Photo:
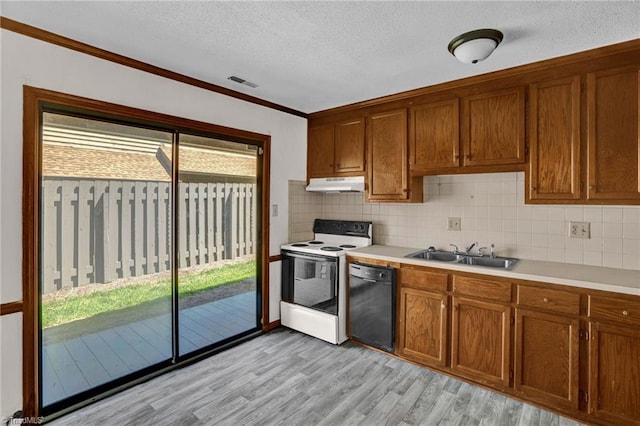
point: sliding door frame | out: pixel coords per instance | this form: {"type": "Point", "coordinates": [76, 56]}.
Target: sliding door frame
{"type": "Point", "coordinates": [34, 99]}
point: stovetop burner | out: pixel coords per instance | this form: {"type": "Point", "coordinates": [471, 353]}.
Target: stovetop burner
{"type": "Point", "coordinates": [332, 238]}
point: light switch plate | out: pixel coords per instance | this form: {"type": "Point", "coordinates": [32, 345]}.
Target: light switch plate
{"type": "Point", "coordinates": [579, 230]}
{"type": "Point", "coordinates": [274, 210]}
{"type": "Point", "coordinates": [454, 224]}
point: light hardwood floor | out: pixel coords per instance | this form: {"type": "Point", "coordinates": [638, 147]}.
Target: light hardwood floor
{"type": "Point", "coordinates": [288, 378]}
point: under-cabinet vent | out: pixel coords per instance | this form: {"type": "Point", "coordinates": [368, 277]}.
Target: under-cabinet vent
{"type": "Point", "coordinates": [242, 81]}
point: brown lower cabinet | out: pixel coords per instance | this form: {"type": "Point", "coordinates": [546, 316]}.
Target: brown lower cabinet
{"type": "Point", "coordinates": [571, 350]}
{"type": "Point", "coordinates": [481, 329]}
{"type": "Point", "coordinates": [423, 316]}
{"type": "Point", "coordinates": [546, 358]}
{"type": "Point", "coordinates": [614, 359]}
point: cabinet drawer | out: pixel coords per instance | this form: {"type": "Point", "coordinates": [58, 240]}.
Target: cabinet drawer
{"type": "Point", "coordinates": [551, 300]}
{"type": "Point", "coordinates": [421, 279]}
{"type": "Point", "coordinates": [484, 289]}
{"type": "Point", "coordinates": [615, 309]}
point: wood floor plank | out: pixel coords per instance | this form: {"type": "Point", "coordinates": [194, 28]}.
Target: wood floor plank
{"type": "Point", "coordinates": [106, 356]}
{"type": "Point", "coordinates": [286, 378]}
{"type": "Point", "coordinates": [68, 372]}
{"type": "Point", "coordinates": [52, 389]}
{"type": "Point", "coordinates": [91, 368]}
{"type": "Point", "coordinates": [140, 345]}
{"type": "Point", "coordinates": [127, 354]}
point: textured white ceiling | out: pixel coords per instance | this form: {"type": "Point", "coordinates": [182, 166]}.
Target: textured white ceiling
{"type": "Point", "coordinates": [313, 55]}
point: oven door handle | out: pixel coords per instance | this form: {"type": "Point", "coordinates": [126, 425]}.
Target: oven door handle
{"type": "Point", "coordinates": [313, 258]}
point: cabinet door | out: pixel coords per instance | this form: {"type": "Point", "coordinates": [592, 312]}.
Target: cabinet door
{"type": "Point", "coordinates": [554, 139]}
{"type": "Point", "coordinates": [349, 146]}
{"type": "Point", "coordinates": [434, 136]}
{"type": "Point", "coordinates": [613, 141]}
{"type": "Point", "coordinates": [387, 156]}
{"type": "Point", "coordinates": [546, 358]}
{"type": "Point", "coordinates": [422, 326]}
{"type": "Point", "coordinates": [480, 340]}
{"type": "Point", "coordinates": [493, 128]}
{"type": "Point", "coordinates": [320, 151]}
{"type": "Point", "coordinates": [614, 377]}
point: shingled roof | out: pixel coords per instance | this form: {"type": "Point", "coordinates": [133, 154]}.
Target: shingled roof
{"type": "Point", "coordinates": [68, 161]}
{"type": "Point", "coordinates": [208, 161]}
{"type": "Point", "coordinates": [89, 155]}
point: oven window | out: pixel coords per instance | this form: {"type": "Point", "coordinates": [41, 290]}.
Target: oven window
{"type": "Point", "coordinates": [313, 283]}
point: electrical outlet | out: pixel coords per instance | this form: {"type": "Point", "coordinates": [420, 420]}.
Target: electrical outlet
{"type": "Point", "coordinates": [274, 210]}
{"type": "Point", "coordinates": [579, 230]}
{"type": "Point", "coordinates": [454, 224]}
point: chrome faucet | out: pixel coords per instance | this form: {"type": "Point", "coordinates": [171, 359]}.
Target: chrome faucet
{"type": "Point", "coordinates": [493, 251]}
{"type": "Point", "coordinates": [480, 251]}
{"type": "Point", "coordinates": [468, 249]}
{"type": "Point", "coordinates": [455, 248]}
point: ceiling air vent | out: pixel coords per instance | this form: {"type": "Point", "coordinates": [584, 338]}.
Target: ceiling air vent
{"type": "Point", "coordinates": [242, 81]}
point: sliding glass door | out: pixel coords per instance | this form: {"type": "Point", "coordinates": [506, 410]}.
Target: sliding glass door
{"type": "Point", "coordinates": [148, 248]}
{"type": "Point", "coordinates": [217, 209]}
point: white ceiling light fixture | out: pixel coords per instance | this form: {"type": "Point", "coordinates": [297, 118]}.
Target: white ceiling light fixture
{"type": "Point", "coordinates": [475, 46]}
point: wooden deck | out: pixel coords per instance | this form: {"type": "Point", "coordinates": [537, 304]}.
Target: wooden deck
{"type": "Point", "coordinates": [78, 364]}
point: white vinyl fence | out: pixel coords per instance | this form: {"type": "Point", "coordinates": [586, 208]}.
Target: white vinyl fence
{"type": "Point", "coordinates": [97, 231]}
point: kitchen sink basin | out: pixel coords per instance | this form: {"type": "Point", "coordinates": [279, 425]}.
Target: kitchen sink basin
{"type": "Point", "coordinates": [464, 259]}
{"type": "Point", "coordinates": [441, 256]}
{"type": "Point", "coordinates": [492, 262]}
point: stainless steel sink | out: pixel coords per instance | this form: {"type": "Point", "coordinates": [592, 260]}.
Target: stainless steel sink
{"type": "Point", "coordinates": [441, 256]}
{"type": "Point", "coordinates": [492, 262]}
{"type": "Point", "coordinates": [464, 259]}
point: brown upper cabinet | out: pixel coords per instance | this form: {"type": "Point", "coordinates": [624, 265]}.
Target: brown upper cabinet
{"type": "Point", "coordinates": [388, 160]}
{"type": "Point", "coordinates": [613, 139]}
{"type": "Point", "coordinates": [486, 134]}
{"type": "Point", "coordinates": [434, 136]}
{"type": "Point", "coordinates": [493, 131]}
{"type": "Point", "coordinates": [554, 140]}
{"type": "Point", "coordinates": [571, 123]}
{"type": "Point", "coordinates": [336, 149]}
{"type": "Point", "coordinates": [610, 168]}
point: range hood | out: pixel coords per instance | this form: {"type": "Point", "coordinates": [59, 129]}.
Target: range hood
{"type": "Point", "coordinates": [334, 184]}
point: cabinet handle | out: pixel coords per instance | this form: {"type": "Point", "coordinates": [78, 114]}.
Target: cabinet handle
{"type": "Point", "coordinates": [534, 189]}
{"type": "Point", "coordinates": [442, 305]}
{"type": "Point", "coordinates": [545, 300]}
{"type": "Point", "coordinates": [338, 165]}
{"type": "Point", "coordinates": [625, 313]}
{"type": "Point", "coordinates": [468, 156]}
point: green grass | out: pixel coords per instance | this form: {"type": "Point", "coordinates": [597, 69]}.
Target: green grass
{"type": "Point", "coordinates": [78, 307]}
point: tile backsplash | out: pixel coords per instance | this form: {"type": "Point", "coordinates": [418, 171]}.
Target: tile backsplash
{"type": "Point", "coordinates": [492, 210]}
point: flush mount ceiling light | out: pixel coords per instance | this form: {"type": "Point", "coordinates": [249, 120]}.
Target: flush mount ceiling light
{"type": "Point", "coordinates": [475, 46]}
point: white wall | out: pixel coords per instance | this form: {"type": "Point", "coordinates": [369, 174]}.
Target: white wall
{"type": "Point", "coordinates": [35, 63]}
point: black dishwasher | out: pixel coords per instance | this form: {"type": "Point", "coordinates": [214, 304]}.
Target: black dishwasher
{"type": "Point", "coordinates": [372, 303]}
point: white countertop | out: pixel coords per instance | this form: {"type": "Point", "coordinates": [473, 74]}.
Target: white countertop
{"type": "Point", "coordinates": [583, 276]}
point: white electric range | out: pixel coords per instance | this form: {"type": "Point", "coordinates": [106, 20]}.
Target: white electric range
{"type": "Point", "coordinates": [314, 278]}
